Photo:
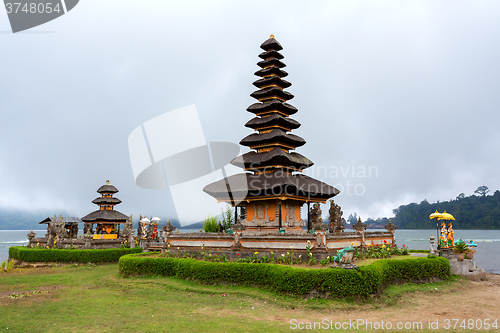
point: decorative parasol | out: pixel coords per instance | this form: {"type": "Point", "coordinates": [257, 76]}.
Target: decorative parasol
{"type": "Point", "coordinates": [446, 216]}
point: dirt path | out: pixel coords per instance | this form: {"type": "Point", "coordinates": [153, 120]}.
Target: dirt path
{"type": "Point", "coordinates": [467, 300]}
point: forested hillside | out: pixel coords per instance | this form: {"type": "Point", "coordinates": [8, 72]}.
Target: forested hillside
{"type": "Point", "coordinates": [474, 212]}
{"type": "Point", "coordinates": [22, 220]}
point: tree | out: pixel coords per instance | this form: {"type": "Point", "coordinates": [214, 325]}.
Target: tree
{"type": "Point", "coordinates": [482, 190]}
{"type": "Point", "coordinates": [460, 196]}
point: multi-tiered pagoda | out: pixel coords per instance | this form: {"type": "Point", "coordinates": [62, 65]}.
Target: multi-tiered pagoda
{"type": "Point", "coordinates": [106, 218]}
{"type": "Point", "coordinates": [273, 190]}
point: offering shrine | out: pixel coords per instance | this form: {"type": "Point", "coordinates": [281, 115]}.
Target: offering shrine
{"type": "Point", "coordinates": [106, 219]}
{"type": "Point", "coordinates": [273, 189]}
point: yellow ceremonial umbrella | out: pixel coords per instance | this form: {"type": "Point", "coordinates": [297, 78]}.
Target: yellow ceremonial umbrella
{"type": "Point", "coordinates": [436, 215]}
{"type": "Point", "coordinates": [446, 216]}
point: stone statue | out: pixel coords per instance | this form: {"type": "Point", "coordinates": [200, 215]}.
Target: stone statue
{"type": "Point", "coordinates": [345, 255]}
{"type": "Point", "coordinates": [87, 227]}
{"type": "Point", "coordinates": [167, 229]}
{"type": "Point", "coordinates": [74, 230]}
{"type": "Point", "coordinates": [450, 238]}
{"type": "Point", "coordinates": [88, 240]}
{"type": "Point", "coordinates": [443, 239]}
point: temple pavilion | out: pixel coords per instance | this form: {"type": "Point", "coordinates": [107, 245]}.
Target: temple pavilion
{"type": "Point", "coordinates": [106, 219]}
{"type": "Point", "coordinates": [273, 189]}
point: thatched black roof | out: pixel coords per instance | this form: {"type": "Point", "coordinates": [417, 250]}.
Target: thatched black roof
{"type": "Point", "coordinates": [271, 70]}
{"type": "Point", "coordinates": [271, 62]}
{"type": "Point", "coordinates": [274, 104]}
{"type": "Point", "coordinates": [270, 92]}
{"type": "Point", "coordinates": [245, 186]}
{"type": "Point", "coordinates": [104, 201]}
{"type": "Point", "coordinates": [271, 54]}
{"type": "Point", "coordinates": [276, 156]}
{"type": "Point", "coordinates": [275, 136]}
{"type": "Point", "coordinates": [66, 219]}
{"type": "Point", "coordinates": [271, 44]}
{"type": "Point", "coordinates": [107, 189]}
{"type": "Point", "coordinates": [105, 216]}
{"type": "Point", "coordinates": [267, 81]}
{"type": "Point", "coordinates": [273, 120]}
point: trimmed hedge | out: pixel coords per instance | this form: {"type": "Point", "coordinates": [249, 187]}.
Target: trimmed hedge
{"type": "Point", "coordinates": [290, 280]}
{"type": "Point", "coordinates": [419, 251]}
{"type": "Point", "coordinates": [63, 255]}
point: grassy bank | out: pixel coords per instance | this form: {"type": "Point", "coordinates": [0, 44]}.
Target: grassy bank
{"type": "Point", "coordinates": [88, 298]}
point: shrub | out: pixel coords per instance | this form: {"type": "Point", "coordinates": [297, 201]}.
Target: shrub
{"type": "Point", "coordinates": [227, 217]}
{"type": "Point", "coordinates": [63, 255]}
{"type": "Point", "coordinates": [290, 280]}
{"type": "Point", "coordinates": [211, 224]}
{"type": "Point", "coordinates": [419, 251]}
{"type": "Point", "coordinates": [13, 251]}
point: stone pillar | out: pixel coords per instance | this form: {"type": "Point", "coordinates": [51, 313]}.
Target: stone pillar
{"type": "Point", "coordinates": [432, 241]}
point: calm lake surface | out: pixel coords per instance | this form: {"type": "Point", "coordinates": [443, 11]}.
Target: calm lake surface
{"type": "Point", "coordinates": [487, 251]}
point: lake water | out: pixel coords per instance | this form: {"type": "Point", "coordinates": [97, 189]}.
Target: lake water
{"type": "Point", "coordinates": [487, 251]}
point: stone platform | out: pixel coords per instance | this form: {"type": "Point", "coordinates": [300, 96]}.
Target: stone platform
{"type": "Point", "coordinates": [467, 269]}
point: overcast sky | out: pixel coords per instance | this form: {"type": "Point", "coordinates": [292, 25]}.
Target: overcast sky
{"type": "Point", "coordinates": [406, 89]}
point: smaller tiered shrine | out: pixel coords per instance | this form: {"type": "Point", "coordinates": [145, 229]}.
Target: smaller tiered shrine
{"type": "Point", "coordinates": [106, 219]}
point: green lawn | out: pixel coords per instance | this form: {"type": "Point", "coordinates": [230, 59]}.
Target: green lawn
{"type": "Point", "coordinates": [365, 262]}
{"type": "Point", "coordinates": [98, 299]}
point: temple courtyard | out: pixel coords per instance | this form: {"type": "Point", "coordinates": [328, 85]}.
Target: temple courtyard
{"type": "Point", "coordinates": [90, 298]}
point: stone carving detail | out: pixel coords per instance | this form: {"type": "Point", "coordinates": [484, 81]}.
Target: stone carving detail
{"type": "Point", "coordinates": [168, 228]}
{"type": "Point", "coordinates": [31, 235]}
{"type": "Point", "coordinates": [139, 227]}
{"type": "Point", "coordinates": [127, 233]}
{"type": "Point", "coordinates": [359, 226]}
{"type": "Point", "coordinates": [290, 215]}
{"type": "Point", "coordinates": [390, 227]}
{"type": "Point", "coordinates": [316, 219]}
{"type": "Point", "coordinates": [261, 218]}
{"type": "Point", "coordinates": [336, 220]}
{"type": "Point", "coordinates": [88, 240]}
{"type": "Point", "coordinates": [238, 226]}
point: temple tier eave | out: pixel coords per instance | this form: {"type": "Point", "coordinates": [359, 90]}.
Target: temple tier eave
{"type": "Point", "coordinates": [276, 156]}
{"type": "Point", "coordinates": [272, 106]}
{"type": "Point", "coordinates": [109, 216]}
{"type": "Point", "coordinates": [272, 137]}
{"type": "Point", "coordinates": [276, 184]}
{"type": "Point", "coordinates": [272, 121]}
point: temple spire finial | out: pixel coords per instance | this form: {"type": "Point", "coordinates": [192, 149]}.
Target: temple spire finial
{"type": "Point", "coordinates": [272, 36]}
